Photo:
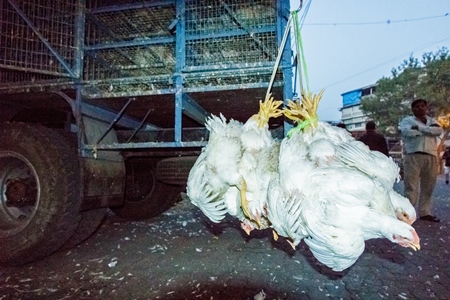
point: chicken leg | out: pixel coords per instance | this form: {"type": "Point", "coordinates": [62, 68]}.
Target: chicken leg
{"type": "Point", "coordinates": [268, 109]}
{"type": "Point", "coordinates": [304, 113]}
{"type": "Point", "coordinates": [244, 204]}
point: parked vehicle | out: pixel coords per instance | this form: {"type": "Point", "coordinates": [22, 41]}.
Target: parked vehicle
{"type": "Point", "coordinates": [103, 103]}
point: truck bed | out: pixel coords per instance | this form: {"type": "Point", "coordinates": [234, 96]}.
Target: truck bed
{"type": "Point", "coordinates": [159, 67]}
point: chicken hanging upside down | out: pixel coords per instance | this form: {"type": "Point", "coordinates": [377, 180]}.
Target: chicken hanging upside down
{"type": "Point", "coordinates": [319, 184]}
{"type": "Point", "coordinates": [232, 173]}
{"type": "Point", "coordinates": [259, 162]}
{"type": "Point", "coordinates": [341, 201]}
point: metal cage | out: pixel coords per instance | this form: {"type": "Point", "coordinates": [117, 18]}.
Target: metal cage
{"type": "Point", "coordinates": [179, 60]}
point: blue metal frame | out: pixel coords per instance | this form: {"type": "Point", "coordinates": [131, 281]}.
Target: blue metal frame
{"type": "Point", "coordinates": [283, 13]}
{"type": "Point", "coordinates": [180, 50]}
{"type": "Point", "coordinates": [182, 75]}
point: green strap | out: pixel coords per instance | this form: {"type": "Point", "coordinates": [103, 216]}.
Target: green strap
{"type": "Point", "coordinates": [301, 126]}
{"type": "Point", "coordinates": [299, 49]}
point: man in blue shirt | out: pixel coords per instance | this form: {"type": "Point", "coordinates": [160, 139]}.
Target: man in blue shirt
{"type": "Point", "coordinates": [420, 141]}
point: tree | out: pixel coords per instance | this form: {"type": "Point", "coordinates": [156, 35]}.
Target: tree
{"type": "Point", "coordinates": [436, 83]}
{"type": "Point", "coordinates": [428, 79]}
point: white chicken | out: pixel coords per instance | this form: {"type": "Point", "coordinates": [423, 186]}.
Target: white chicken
{"type": "Point", "coordinates": [330, 204]}
{"type": "Point", "coordinates": [232, 173]}
{"type": "Point", "coordinates": [259, 162]}
{"type": "Point", "coordinates": [328, 145]}
{"type": "Point", "coordinates": [378, 166]}
{"type": "Point", "coordinates": [319, 185]}
{"type": "Point", "coordinates": [335, 219]}
{"type": "Point", "coordinates": [337, 231]}
{"type": "Point", "coordinates": [214, 179]}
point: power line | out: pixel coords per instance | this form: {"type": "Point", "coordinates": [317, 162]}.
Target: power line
{"type": "Point", "coordinates": [389, 61]}
{"type": "Point", "coordinates": [303, 17]}
{"type": "Point", "coordinates": [376, 22]}
{"type": "Point", "coordinates": [379, 65]}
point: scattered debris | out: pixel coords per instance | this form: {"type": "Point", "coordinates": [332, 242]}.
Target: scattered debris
{"type": "Point", "coordinates": [112, 264]}
{"type": "Point", "coordinates": [260, 296]}
{"type": "Point", "coordinates": [162, 259]}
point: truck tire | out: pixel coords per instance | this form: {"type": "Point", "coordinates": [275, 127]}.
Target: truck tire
{"type": "Point", "coordinates": [161, 198]}
{"type": "Point", "coordinates": [89, 223]}
{"type": "Point", "coordinates": [175, 170]}
{"type": "Point", "coordinates": [145, 195]}
{"type": "Point", "coordinates": [40, 192]}
{"type": "Point", "coordinates": [90, 220]}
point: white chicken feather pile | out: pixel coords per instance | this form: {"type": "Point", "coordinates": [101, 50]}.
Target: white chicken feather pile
{"type": "Point", "coordinates": [319, 184]}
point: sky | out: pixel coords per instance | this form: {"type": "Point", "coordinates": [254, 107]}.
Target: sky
{"type": "Point", "coordinates": [350, 44]}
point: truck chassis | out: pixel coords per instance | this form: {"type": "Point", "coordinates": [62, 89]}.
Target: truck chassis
{"type": "Point", "coordinates": [103, 105]}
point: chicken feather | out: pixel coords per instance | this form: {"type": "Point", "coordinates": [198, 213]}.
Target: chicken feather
{"type": "Point", "coordinates": [284, 213]}
{"type": "Point", "coordinates": [357, 155]}
{"type": "Point", "coordinates": [201, 195]}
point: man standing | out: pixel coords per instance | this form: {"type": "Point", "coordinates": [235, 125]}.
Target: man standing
{"type": "Point", "coordinates": [419, 135]}
{"type": "Point", "coordinates": [446, 158]}
{"type": "Point", "coordinates": [374, 140]}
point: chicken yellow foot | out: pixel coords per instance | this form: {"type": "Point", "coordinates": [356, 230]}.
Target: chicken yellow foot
{"type": "Point", "coordinates": [244, 204]}
{"type": "Point", "coordinates": [244, 201]}
{"type": "Point", "coordinates": [268, 109]}
{"type": "Point", "coordinates": [304, 111]}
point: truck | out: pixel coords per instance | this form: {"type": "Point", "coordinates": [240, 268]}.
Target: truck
{"type": "Point", "coordinates": [103, 105]}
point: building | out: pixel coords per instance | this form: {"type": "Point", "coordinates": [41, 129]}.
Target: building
{"type": "Point", "coordinates": [352, 116]}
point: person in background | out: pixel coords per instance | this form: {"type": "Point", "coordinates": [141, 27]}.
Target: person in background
{"type": "Point", "coordinates": [419, 134]}
{"type": "Point", "coordinates": [446, 158]}
{"type": "Point", "coordinates": [374, 140]}
{"type": "Point", "coordinates": [341, 125]}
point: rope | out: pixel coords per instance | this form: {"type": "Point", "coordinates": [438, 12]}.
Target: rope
{"type": "Point", "coordinates": [280, 51]}
{"type": "Point", "coordinates": [300, 53]}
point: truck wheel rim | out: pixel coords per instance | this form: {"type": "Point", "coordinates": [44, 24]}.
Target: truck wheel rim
{"type": "Point", "coordinates": [19, 193]}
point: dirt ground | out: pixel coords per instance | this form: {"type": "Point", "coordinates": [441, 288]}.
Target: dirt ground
{"type": "Point", "coordinates": [182, 255]}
